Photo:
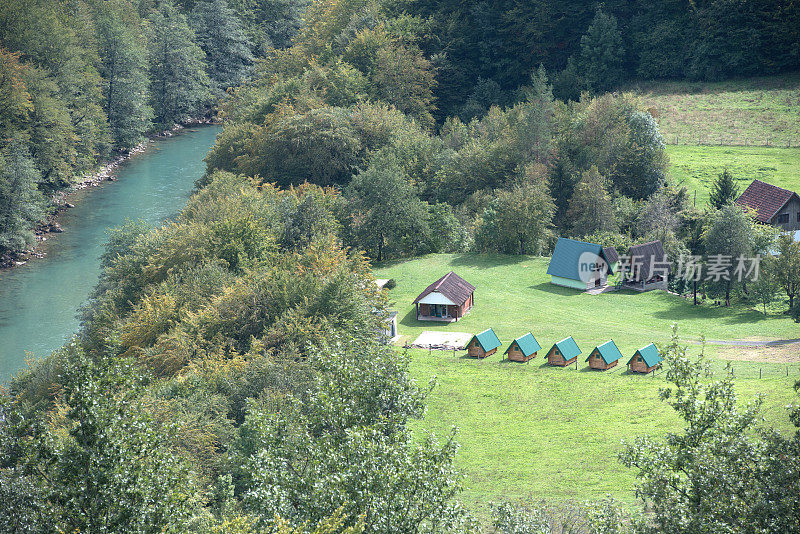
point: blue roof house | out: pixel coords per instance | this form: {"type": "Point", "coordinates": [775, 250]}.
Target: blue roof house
{"type": "Point", "coordinates": [581, 265]}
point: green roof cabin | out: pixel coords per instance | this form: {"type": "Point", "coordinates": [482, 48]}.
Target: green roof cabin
{"type": "Point", "coordinates": [581, 265]}
{"type": "Point", "coordinates": [645, 360]}
{"type": "Point", "coordinates": [563, 353]}
{"type": "Point", "coordinates": [523, 348]}
{"type": "Point", "coordinates": [484, 344]}
{"type": "Point", "coordinates": [604, 356]}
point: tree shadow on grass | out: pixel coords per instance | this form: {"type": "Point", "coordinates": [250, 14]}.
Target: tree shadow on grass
{"type": "Point", "coordinates": [683, 310]}
{"type": "Point", "coordinates": [556, 290]}
{"type": "Point", "coordinates": [486, 261]}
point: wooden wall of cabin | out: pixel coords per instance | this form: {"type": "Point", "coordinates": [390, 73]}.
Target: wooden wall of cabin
{"type": "Point", "coordinates": [474, 349]}
{"type": "Point", "coordinates": [516, 355]}
{"type": "Point", "coordinates": [554, 357]}
{"type": "Point", "coordinates": [640, 366]}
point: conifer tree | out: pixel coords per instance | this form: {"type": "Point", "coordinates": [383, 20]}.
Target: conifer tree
{"type": "Point", "coordinates": [602, 53]}
{"type": "Point", "coordinates": [179, 83]}
{"type": "Point", "coordinates": [220, 35]}
{"type": "Point", "coordinates": [724, 191]}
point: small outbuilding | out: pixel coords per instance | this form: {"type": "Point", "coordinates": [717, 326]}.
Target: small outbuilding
{"type": "Point", "coordinates": [645, 360]}
{"type": "Point", "coordinates": [447, 299]}
{"type": "Point", "coordinates": [484, 344]}
{"type": "Point", "coordinates": [604, 356]}
{"type": "Point", "coordinates": [563, 353]}
{"type": "Point", "coordinates": [648, 267]}
{"type": "Point", "coordinates": [581, 265]}
{"type": "Point", "coordinates": [523, 348]}
{"type": "Point", "coordinates": [390, 325]}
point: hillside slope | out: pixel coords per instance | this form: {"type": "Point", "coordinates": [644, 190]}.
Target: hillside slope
{"type": "Point", "coordinates": [754, 111]}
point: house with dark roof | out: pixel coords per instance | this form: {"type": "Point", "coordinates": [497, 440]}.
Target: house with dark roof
{"type": "Point", "coordinates": [563, 353]}
{"type": "Point", "coordinates": [523, 348]}
{"type": "Point", "coordinates": [648, 268]}
{"type": "Point", "coordinates": [772, 205]}
{"type": "Point", "coordinates": [604, 356]}
{"type": "Point", "coordinates": [645, 360]}
{"type": "Point", "coordinates": [484, 344]}
{"type": "Point", "coordinates": [447, 299]}
{"type": "Point", "coordinates": [581, 265]}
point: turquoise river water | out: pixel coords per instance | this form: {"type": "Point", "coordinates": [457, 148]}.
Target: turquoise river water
{"type": "Point", "coordinates": [39, 301]}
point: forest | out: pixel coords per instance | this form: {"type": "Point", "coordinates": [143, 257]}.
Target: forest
{"type": "Point", "coordinates": [229, 375]}
{"type": "Point", "coordinates": [83, 80]}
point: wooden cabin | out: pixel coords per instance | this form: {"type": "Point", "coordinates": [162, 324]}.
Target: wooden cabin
{"type": "Point", "coordinates": [581, 265]}
{"type": "Point", "coordinates": [447, 299]}
{"type": "Point", "coordinates": [604, 356]}
{"type": "Point", "coordinates": [645, 360]}
{"type": "Point", "coordinates": [484, 344]}
{"type": "Point", "coordinates": [772, 205]}
{"type": "Point", "coordinates": [648, 268]}
{"type": "Point", "coordinates": [523, 348]}
{"type": "Point", "coordinates": [563, 353]}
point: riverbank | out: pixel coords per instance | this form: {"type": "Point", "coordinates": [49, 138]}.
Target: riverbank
{"type": "Point", "coordinates": [67, 198]}
{"type": "Point", "coordinates": [39, 301]}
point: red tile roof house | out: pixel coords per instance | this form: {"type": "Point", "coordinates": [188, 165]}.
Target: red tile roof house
{"type": "Point", "coordinates": [447, 299]}
{"type": "Point", "coordinates": [773, 205]}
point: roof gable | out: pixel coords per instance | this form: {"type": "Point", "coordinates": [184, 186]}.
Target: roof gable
{"type": "Point", "coordinates": [649, 354]}
{"type": "Point", "coordinates": [451, 286]}
{"type": "Point", "coordinates": [527, 344]}
{"type": "Point", "coordinates": [487, 339]}
{"type": "Point", "coordinates": [611, 255]}
{"type": "Point", "coordinates": [766, 199]}
{"type": "Point", "coordinates": [608, 351]}
{"type": "Point", "coordinates": [565, 262]}
{"type": "Point", "coordinates": [645, 257]}
{"type": "Point", "coordinates": [568, 348]}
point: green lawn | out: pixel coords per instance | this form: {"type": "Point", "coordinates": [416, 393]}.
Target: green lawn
{"type": "Point", "coordinates": [529, 431]}
{"type": "Point", "coordinates": [696, 167]}
{"type": "Point", "coordinates": [753, 111]}
{"type": "Point", "coordinates": [514, 296]}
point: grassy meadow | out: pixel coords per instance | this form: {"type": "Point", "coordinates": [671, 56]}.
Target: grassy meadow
{"type": "Point", "coordinates": [532, 432]}
{"type": "Point", "coordinates": [754, 111]}
{"type": "Point", "coordinates": [696, 167]}
{"type": "Point", "coordinates": [514, 295]}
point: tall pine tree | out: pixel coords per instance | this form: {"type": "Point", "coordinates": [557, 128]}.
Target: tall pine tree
{"type": "Point", "coordinates": [220, 35]}
{"type": "Point", "coordinates": [179, 84]}
{"type": "Point", "coordinates": [724, 191]}
{"type": "Point", "coordinates": [602, 53]}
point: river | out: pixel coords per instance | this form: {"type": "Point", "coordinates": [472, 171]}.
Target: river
{"type": "Point", "coordinates": [39, 300]}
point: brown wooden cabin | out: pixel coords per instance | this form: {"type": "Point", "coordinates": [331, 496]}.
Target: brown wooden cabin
{"type": "Point", "coordinates": [605, 356]}
{"type": "Point", "coordinates": [645, 360]}
{"type": "Point", "coordinates": [447, 299]}
{"type": "Point", "coordinates": [563, 353]}
{"type": "Point", "coordinates": [523, 348]}
{"type": "Point", "coordinates": [484, 344]}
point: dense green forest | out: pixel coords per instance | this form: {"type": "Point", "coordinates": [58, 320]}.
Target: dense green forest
{"type": "Point", "coordinates": [230, 375]}
{"type": "Point", "coordinates": [83, 80]}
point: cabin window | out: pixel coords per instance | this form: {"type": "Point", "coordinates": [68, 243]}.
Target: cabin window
{"type": "Point", "coordinates": [783, 218]}
{"type": "Point", "coordinates": [638, 358]}
{"type": "Point", "coordinates": [798, 216]}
